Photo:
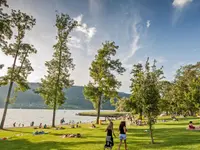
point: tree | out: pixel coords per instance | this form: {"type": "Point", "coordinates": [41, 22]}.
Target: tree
{"type": "Point", "coordinates": [104, 85]}
{"type": "Point", "coordinates": [166, 93]}
{"type": "Point", "coordinates": [3, 2]}
{"type": "Point", "coordinates": [145, 91]}
{"type": "Point", "coordinates": [5, 24]}
{"type": "Point", "coordinates": [20, 52]}
{"type": "Point", "coordinates": [5, 31]}
{"type": "Point", "coordinates": [122, 105]}
{"type": "Point", "coordinates": [58, 68]}
{"type": "Point", "coordinates": [186, 89]}
{"type": "Point", "coordinates": [151, 93]}
{"type": "Point", "coordinates": [136, 89]}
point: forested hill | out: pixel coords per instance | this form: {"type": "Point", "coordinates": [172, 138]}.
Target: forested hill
{"type": "Point", "coordinates": [75, 99]}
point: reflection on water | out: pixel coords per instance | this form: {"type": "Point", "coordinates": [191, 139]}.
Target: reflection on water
{"type": "Point", "coordinates": [26, 116]}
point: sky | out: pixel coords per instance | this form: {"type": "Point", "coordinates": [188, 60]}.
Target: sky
{"type": "Point", "coordinates": [165, 30]}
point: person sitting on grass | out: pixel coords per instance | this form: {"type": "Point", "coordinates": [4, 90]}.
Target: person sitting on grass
{"type": "Point", "coordinates": [40, 126]}
{"type": "Point", "coordinates": [191, 126]}
{"type": "Point", "coordinates": [93, 126]}
{"type": "Point", "coordinates": [32, 124]}
{"type": "Point", "coordinates": [45, 126]}
{"type": "Point", "coordinates": [77, 125]}
{"type": "Point", "coordinates": [62, 121]}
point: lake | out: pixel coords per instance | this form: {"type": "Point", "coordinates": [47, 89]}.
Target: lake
{"type": "Point", "coordinates": [44, 116]}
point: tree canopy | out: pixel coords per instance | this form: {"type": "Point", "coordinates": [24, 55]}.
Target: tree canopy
{"type": "Point", "coordinates": [20, 51]}
{"type": "Point", "coordinates": [104, 84]}
{"type": "Point", "coordinates": [59, 67]}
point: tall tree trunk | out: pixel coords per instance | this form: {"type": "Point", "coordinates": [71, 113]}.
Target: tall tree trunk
{"type": "Point", "coordinates": [9, 90]}
{"type": "Point", "coordinates": [140, 114]}
{"type": "Point", "coordinates": [151, 131]}
{"type": "Point", "coordinates": [54, 113]}
{"type": "Point", "coordinates": [6, 105]}
{"type": "Point", "coordinates": [191, 112]}
{"type": "Point", "coordinates": [56, 90]}
{"type": "Point", "coordinates": [98, 110]}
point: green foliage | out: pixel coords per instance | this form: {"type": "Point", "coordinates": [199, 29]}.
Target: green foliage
{"type": "Point", "coordinates": [151, 93]}
{"type": "Point", "coordinates": [92, 93]}
{"type": "Point", "coordinates": [166, 93]}
{"type": "Point", "coordinates": [123, 105]}
{"type": "Point", "coordinates": [104, 85]}
{"type": "Point", "coordinates": [59, 67]}
{"type": "Point", "coordinates": [5, 24]}
{"type": "Point", "coordinates": [135, 102]}
{"type": "Point", "coordinates": [145, 91]}
{"type": "Point", "coordinates": [4, 3]}
{"type": "Point", "coordinates": [20, 51]}
{"type": "Point", "coordinates": [186, 98]}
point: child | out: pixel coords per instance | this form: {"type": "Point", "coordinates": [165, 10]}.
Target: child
{"type": "Point", "coordinates": [109, 137]}
{"type": "Point", "coordinates": [122, 135]}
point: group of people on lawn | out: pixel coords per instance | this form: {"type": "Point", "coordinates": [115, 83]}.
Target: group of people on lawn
{"type": "Point", "coordinates": [110, 133]}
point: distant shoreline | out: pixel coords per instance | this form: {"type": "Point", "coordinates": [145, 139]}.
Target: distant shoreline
{"type": "Point", "coordinates": [60, 109]}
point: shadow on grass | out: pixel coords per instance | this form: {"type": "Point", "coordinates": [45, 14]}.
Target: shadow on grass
{"type": "Point", "coordinates": [24, 144]}
{"type": "Point", "coordinates": [14, 130]}
{"type": "Point", "coordinates": [165, 138]}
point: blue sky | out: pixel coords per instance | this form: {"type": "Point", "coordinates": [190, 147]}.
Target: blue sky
{"type": "Point", "coordinates": [165, 30]}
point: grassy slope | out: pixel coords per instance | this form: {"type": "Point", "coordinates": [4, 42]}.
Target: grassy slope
{"type": "Point", "coordinates": [169, 135]}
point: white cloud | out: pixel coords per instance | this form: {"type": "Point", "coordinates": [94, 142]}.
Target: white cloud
{"type": "Point", "coordinates": [79, 18]}
{"type": "Point", "coordinates": [179, 6]}
{"type": "Point", "coordinates": [85, 36]}
{"type": "Point", "coordinates": [74, 42]}
{"type": "Point", "coordinates": [181, 3]}
{"type": "Point", "coordinates": [160, 59]}
{"type": "Point", "coordinates": [88, 31]}
{"type": "Point", "coordinates": [148, 23]}
{"type": "Point", "coordinates": [135, 41]}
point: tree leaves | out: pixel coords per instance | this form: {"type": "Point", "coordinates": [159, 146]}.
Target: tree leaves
{"type": "Point", "coordinates": [104, 84]}
{"type": "Point", "coordinates": [101, 70]}
{"type": "Point", "coordinates": [20, 51]}
{"type": "Point", "coordinates": [186, 96]}
{"type": "Point", "coordinates": [58, 68]}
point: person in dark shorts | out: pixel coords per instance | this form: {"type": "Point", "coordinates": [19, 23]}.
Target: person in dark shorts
{"type": "Point", "coordinates": [109, 138]}
{"type": "Point", "coordinates": [122, 135]}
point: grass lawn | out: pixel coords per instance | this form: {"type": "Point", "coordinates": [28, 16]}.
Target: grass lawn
{"type": "Point", "coordinates": [169, 135]}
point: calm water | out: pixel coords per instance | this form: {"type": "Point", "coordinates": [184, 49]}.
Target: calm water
{"type": "Point", "coordinates": [25, 116]}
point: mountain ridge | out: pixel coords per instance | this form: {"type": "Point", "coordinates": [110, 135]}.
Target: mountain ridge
{"type": "Point", "coordinates": [31, 100]}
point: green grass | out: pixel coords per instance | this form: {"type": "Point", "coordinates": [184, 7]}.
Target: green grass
{"type": "Point", "coordinates": [168, 136]}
